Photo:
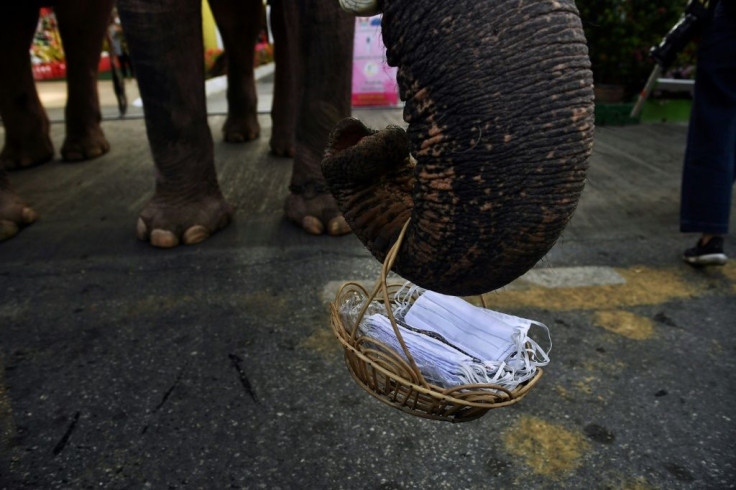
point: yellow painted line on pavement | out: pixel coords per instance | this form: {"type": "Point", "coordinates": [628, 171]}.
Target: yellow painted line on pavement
{"type": "Point", "coordinates": [548, 449]}
{"type": "Point", "coordinates": [729, 270]}
{"type": "Point", "coordinates": [323, 342]}
{"type": "Point", "coordinates": [595, 288]}
{"type": "Point", "coordinates": [643, 286]}
{"type": "Point", "coordinates": [625, 323]}
{"type": "Point", "coordinates": [606, 292]}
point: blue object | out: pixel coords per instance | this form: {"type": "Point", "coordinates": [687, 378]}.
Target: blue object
{"type": "Point", "coordinates": [710, 158]}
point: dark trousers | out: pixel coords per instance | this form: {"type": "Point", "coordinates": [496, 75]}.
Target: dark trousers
{"type": "Point", "coordinates": [710, 158]}
{"type": "Point", "coordinates": [126, 67]}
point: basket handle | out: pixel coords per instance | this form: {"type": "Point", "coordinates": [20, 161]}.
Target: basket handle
{"type": "Point", "coordinates": [382, 286]}
{"type": "Point", "coordinates": [388, 263]}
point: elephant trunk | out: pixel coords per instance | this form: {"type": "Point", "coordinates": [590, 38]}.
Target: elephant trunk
{"type": "Point", "coordinates": [499, 103]}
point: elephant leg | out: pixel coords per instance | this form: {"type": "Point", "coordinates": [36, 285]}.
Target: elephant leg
{"type": "Point", "coordinates": [14, 214]}
{"type": "Point", "coordinates": [27, 140]}
{"type": "Point", "coordinates": [239, 24]}
{"type": "Point", "coordinates": [285, 28]}
{"type": "Point", "coordinates": [327, 34]}
{"type": "Point", "coordinates": [82, 26]}
{"type": "Point", "coordinates": [165, 40]}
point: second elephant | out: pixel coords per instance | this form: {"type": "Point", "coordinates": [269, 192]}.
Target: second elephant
{"type": "Point", "coordinates": [165, 39]}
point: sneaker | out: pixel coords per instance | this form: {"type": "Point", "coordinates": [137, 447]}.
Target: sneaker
{"type": "Point", "coordinates": [710, 254]}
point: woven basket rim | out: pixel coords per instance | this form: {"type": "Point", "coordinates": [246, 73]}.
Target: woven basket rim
{"type": "Point", "coordinates": [437, 392]}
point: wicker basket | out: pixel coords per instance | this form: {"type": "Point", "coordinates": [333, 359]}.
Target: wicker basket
{"type": "Point", "coordinates": [386, 375]}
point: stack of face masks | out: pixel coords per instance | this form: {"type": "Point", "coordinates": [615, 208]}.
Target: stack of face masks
{"type": "Point", "coordinates": [455, 343]}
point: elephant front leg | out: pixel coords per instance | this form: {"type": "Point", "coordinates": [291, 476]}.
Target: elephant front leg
{"type": "Point", "coordinates": [82, 25]}
{"type": "Point", "coordinates": [27, 140]}
{"type": "Point", "coordinates": [174, 217]}
{"type": "Point", "coordinates": [14, 214]}
{"type": "Point", "coordinates": [327, 34]}
{"type": "Point", "coordinates": [165, 39]}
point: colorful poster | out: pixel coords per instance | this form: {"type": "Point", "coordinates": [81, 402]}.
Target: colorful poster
{"type": "Point", "coordinates": [374, 82]}
{"type": "Point", "coordinates": [47, 53]}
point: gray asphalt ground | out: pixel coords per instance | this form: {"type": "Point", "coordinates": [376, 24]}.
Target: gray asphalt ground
{"type": "Point", "coordinates": [213, 366]}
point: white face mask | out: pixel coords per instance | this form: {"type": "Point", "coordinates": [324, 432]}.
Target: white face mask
{"type": "Point", "coordinates": [482, 333]}
{"type": "Point", "coordinates": [478, 345]}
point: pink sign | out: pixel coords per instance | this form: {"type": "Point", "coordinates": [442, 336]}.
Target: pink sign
{"type": "Point", "coordinates": [374, 82]}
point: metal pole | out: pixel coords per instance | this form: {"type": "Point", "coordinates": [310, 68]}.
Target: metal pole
{"type": "Point", "coordinates": [651, 82]}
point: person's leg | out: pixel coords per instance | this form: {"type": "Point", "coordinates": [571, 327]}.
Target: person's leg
{"type": "Point", "coordinates": [122, 59]}
{"type": "Point", "coordinates": [165, 41]}
{"type": "Point", "coordinates": [710, 157]}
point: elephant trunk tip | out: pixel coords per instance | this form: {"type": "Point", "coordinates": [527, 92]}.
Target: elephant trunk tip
{"type": "Point", "coordinates": [371, 176]}
{"type": "Point", "coordinates": [347, 133]}
{"type": "Point", "coordinates": [358, 155]}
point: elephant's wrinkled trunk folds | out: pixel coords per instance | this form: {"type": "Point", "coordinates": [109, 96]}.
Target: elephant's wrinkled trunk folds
{"type": "Point", "coordinates": [499, 102]}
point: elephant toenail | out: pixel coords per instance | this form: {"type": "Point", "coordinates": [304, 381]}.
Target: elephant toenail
{"type": "Point", "coordinates": [312, 225]}
{"type": "Point", "coordinates": [195, 234]}
{"type": "Point", "coordinates": [28, 216]}
{"type": "Point", "coordinates": [338, 226]}
{"type": "Point", "coordinates": [141, 230]}
{"type": "Point", "coordinates": [8, 229]}
{"type": "Point", "coordinates": [163, 239]}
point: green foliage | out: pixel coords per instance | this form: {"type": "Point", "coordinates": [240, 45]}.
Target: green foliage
{"type": "Point", "coordinates": [620, 34]}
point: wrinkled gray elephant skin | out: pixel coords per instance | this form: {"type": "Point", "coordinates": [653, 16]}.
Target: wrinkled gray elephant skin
{"type": "Point", "coordinates": [499, 101]}
{"type": "Point", "coordinates": [165, 40]}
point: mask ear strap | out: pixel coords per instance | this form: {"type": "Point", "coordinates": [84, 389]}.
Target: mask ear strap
{"type": "Point", "coordinates": [536, 350]}
{"type": "Point", "coordinates": [404, 298]}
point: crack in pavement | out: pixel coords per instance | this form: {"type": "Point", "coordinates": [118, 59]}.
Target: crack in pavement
{"type": "Point", "coordinates": [237, 363]}
{"type": "Point", "coordinates": [65, 438]}
{"type": "Point", "coordinates": [166, 396]}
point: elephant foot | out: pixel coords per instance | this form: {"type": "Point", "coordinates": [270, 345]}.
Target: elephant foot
{"type": "Point", "coordinates": [312, 207]}
{"type": "Point", "coordinates": [14, 215]}
{"type": "Point", "coordinates": [282, 146]}
{"type": "Point", "coordinates": [241, 129]}
{"type": "Point", "coordinates": [168, 222]}
{"type": "Point", "coordinates": [31, 153]}
{"type": "Point", "coordinates": [77, 149]}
